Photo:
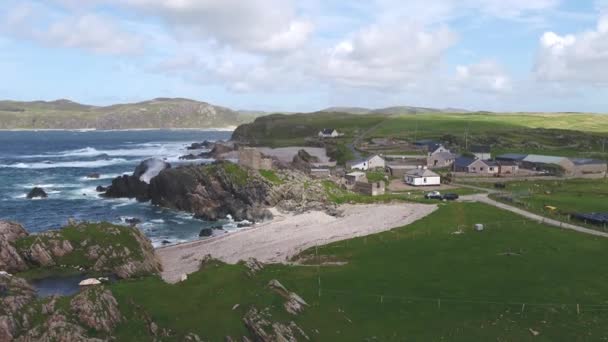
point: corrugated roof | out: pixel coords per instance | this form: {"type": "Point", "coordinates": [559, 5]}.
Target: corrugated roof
{"type": "Point", "coordinates": [512, 156]}
{"type": "Point", "coordinates": [480, 149]}
{"type": "Point", "coordinates": [585, 161]}
{"type": "Point", "coordinates": [537, 158]}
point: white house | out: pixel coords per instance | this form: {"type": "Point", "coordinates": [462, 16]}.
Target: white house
{"type": "Point", "coordinates": [370, 163]}
{"type": "Point", "coordinates": [422, 177]}
{"type": "Point", "coordinates": [329, 133]}
{"type": "Point", "coordinates": [376, 162]}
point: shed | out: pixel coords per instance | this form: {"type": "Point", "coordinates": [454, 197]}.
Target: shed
{"type": "Point", "coordinates": [398, 170]}
{"type": "Point", "coordinates": [354, 177]}
{"type": "Point", "coordinates": [482, 152]}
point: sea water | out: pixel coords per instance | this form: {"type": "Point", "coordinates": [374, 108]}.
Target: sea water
{"type": "Point", "coordinates": [59, 162]}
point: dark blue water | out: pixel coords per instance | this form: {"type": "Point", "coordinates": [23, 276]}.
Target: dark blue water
{"type": "Point", "coordinates": [59, 161]}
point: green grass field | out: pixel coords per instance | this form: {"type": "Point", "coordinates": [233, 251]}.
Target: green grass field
{"type": "Point", "coordinates": [419, 283]}
{"type": "Point", "coordinates": [568, 196]}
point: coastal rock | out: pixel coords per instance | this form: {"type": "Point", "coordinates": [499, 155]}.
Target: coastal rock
{"type": "Point", "coordinates": [212, 191]}
{"type": "Point", "coordinates": [303, 160]}
{"type": "Point", "coordinates": [97, 309]}
{"type": "Point", "coordinates": [15, 295]}
{"type": "Point", "coordinates": [37, 193]}
{"type": "Point", "coordinates": [93, 175]}
{"type": "Point", "coordinates": [218, 150]}
{"type": "Point", "coordinates": [101, 188]}
{"type": "Point", "coordinates": [294, 304]}
{"type": "Point", "coordinates": [136, 185]}
{"type": "Point", "coordinates": [57, 328]}
{"type": "Point", "coordinates": [10, 259]}
{"type": "Point", "coordinates": [262, 328]}
{"type": "Point", "coordinates": [199, 146]}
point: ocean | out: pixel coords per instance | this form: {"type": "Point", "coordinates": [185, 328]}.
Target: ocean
{"type": "Point", "coordinates": [59, 161]}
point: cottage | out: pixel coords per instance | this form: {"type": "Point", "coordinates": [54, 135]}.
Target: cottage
{"type": "Point", "coordinates": [354, 177]}
{"type": "Point", "coordinates": [482, 152]}
{"type": "Point", "coordinates": [440, 160]}
{"type": "Point", "coordinates": [507, 167]}
{"type": "Point", "coordinates": [329, 133]}
{"type": "Point", "coordinates": [370, 163]}
{"type": "Point", "coordinates": [487, 167]}
{"type": "Point", "coordinates": [422, 177]}
{"type": "Point", "coordinates": [370, 189]}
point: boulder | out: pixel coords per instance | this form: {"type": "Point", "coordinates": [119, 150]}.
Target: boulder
{"type": "Point", "coordinates": [97, 309]}
{"type": "Point", "coordinates": [37, 193]}
{"type": "Point", "coordinates": [10, 259]}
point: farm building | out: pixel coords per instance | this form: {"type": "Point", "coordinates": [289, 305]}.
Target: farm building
{"type": "Point", "coordinates": [329, 133]}
{"type": "Point", "coordinates": [470, 165]}
{"type": "Point", "coordinates": [543, 163]}
{"type": "Point", "coordinates": [422, 177]}
{"type": "Point", "coordinates": [482, 152]}
{"type": "Point", "coordinates": [370, 189]}
{"type": "Point", "coordinates": [370, 163]}
{"type": "Point", "coordinates": [507, 167]}
{"type": "Point", "coordinates": [512, 157]}
{"type": "Point", "coordinates": [436, 148]}
{"type": "Point", "coordinates": [399, 170]}
{"type": "Point", "coordinates": [354, 177]}
{"type": "Point", "coordinates": [440, 159]}
{"type": "Point", "coordinates": [461, 164]}
{"type": "Point", "coordinates": [589, 166]}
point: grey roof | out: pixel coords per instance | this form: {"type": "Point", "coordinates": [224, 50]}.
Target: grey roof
{"type": "Point", "coordinates": [586, 161]}
{"type": "Point", "coordinates": [512, 156]}
{"type": "Point", "coordinates": [356, 161]}
{"type": "Point", "coordinates": [481, 149]}
{"type": "Point", "coordinates": [328, 131]}
{"type": "Point", "coordinates": [421, 173]}
{"type": "Point", "coordinates": [540, 159]}
{"type": "Point", "coordinates": [463, 161]}
{"type": "Point", "coordinates": [433, 147]}
{"type": "Point", "coordinates": [444, 155]}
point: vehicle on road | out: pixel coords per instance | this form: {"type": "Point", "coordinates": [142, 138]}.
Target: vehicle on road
{"type": "Point", "coordinates": [449, 197]}
{"type": "Point", "coordinates": [433, 195]}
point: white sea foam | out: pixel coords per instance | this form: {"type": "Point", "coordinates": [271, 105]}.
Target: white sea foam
{"type": "Point", "coordinates": [159, 149]}
{"type": "Point", "coordinates": [68, 164]}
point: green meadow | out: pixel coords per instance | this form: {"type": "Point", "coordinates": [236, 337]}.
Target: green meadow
{"type": "Point", "coordinates": [515, 281]}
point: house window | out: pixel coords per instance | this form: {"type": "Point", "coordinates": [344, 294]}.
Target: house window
{"type": "Point", "coordinates": [481, 169]}
{"type": "Point", "coordinates": [491, 169]}
{"type": "Point", "coordinates": [424, 180]}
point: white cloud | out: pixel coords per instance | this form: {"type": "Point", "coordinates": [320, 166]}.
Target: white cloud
{"type": "Point", "coordinates": [485, 76]}
{"type": "Point", "coordinates": [90, 32]}
{"type": "Point", "coordinates": [581, 57]}
{"type": "Point", "coordinates": [386, 55]}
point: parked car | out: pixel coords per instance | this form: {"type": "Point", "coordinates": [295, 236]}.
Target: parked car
{"type": "Point", "coordinates": [433, 195]}
{"type": "Point", "coordinates": [449, 197]}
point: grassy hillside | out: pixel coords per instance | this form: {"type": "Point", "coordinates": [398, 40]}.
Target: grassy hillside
{"type": "Point", "coordinates": [559, 134]}
{"type": "Point", "coordinates": [157, 113]}
{"type": "Point", "coordinates": [420, 283]}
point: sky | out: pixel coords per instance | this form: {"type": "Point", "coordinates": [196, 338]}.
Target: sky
{"type": "Point", "coordinates": [305, 55]}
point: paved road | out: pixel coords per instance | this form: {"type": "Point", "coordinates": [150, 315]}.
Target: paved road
{"type": "Point", "coordinates": [483, 198]}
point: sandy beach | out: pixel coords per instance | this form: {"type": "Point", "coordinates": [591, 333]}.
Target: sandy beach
{"type": "Point", "coordinates": [287, 235]}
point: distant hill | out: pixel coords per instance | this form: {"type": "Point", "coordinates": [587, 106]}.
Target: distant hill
{"type": "Point", "coordinates": [396, 110]}
{"type": "Point", "coordinates": [156, 113]}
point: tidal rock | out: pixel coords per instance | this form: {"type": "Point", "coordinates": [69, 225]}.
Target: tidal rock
{"type": "Point", "coordinates": [10, 259]}
{"type": "Point", "coordinates": [37, 193]}
{"type": "Point", "coordinates": [199, 146]}
{"type": "Point", "coordinates": [189, 157]}
{"type": "Point", "coordinates": [101, 188]}
{"type": "Point", "coordinates": [149, 169]}
{"type": "Point", "coordinates": [132, 221]}
{"type": "Point", "coordinates": [93, 175]}
{"type": "Point", "coordinates": [97, 309]}
{"type": "Point", "coordinates": [136, 185]}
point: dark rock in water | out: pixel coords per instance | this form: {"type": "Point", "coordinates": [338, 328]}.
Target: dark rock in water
{"type": "Point", "coordinates": [243, 224]}
{"type": "Point", "coordinates": [100, 188]}
{"type": "Point", "coordinates": [132, 221]}
{"type": "Point", "coordinates": [149, 169]}
{"type": "Point", "coordinates": [199, 146]}
{"type": "Point", "coordinates": [189, 157]}
{"type": "Point", "coordinates": [128, 187]}
{"type": "Point", "coordinates": [136, 186]}
{"type": "Point", "coordinates": [217, 150]}
{"type": "Point", "coordinates": [206, 232]}
{"type": "Point", "coordinates": [166, 242]}
{"type": "Point", "coordinates": [37, 193]}
{"type": "Point", "coordinates": [93, 175]}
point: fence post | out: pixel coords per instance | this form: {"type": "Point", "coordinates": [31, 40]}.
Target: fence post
{"type": "Point", "coordinates": [439, 303]}
{"type": "Point", "coordinates": [578, 309]}
{"type": "Point", "coordinates": [523, 307]}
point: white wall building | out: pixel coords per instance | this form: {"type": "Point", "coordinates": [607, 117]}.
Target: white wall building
{"type": "Point", "coordinates": [422, 177]}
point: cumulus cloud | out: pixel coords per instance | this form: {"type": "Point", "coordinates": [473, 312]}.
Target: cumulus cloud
{"type": "Point", "coordinates": [485, 76]}
{"type": "Point", "coordinates": [86, 31]}
{"type": "Point", "coordinates": [386, 55]}
{"type": "Point", "coordinates": [581, 57]}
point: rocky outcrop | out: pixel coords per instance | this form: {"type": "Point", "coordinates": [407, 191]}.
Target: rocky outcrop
{"type": "Point", "coordinates": [123, 251]}
{"type": "Point", "coordinates": [261, 326]}
{"type": "Point", "coordinates": [97, 309]}
{"type": "Point", "coordinates": [294, 304]}
{"type": "Point", "coordinates": [298, 193]}
{"type": "Point", "coordinates": [213, 191]}
{"type": "Point", "coordinates": [303, 161]}
{"type": "Point", "coordinates": [15, 295]}
{"type": "Point", "coordinates": [57, 328]}
{"type": "Point", "coordinates": [37, 193]}
{"type": "Point", "coordinates": [10, 259]}
{"type": "Point", "coordinates": [136, 185]}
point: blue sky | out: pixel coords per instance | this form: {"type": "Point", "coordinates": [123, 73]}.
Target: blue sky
{"type": "Point", "coordinates": [517, 55]}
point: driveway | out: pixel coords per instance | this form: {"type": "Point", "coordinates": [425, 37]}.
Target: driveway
{"type": "Point", "coordinates": [483, 198]}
